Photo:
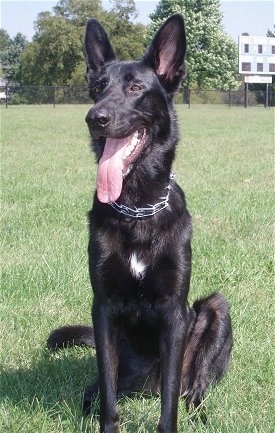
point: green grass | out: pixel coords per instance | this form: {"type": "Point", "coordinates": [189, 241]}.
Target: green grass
{"type": "Point", "coordinates": [225, 165]}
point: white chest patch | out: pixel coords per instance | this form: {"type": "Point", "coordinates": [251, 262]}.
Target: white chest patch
{"type": "Point", "coordinates": [137, 267]}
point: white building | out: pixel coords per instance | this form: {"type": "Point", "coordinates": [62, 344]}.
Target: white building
{"type": "Point", "coordinates": [256, 55]}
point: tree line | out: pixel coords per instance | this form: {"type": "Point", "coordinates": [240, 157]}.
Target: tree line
{"type": "Point", "coordinates": [55, 54]}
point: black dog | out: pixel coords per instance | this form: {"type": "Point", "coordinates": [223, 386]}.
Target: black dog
{"type": "Point", "coordinates": [147, 338]}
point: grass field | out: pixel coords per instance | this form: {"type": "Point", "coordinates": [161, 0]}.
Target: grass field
{"type": "Point", "coordinates": [225, 165]}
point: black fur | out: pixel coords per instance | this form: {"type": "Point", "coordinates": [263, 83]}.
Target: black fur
{"type": "Point", "coordinates": [147, 338]}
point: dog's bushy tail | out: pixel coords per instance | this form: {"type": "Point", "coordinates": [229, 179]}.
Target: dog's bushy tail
{"type": "Point", "coordinates": [68, 336]}
{"type": "Point", "coordinates": [208, 347]}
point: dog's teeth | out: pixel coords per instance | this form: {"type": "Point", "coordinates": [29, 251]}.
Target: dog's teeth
{"type": "Point", "coordinates": [131, 148]}
{"type": "Point", "coordinates": [128, 171]}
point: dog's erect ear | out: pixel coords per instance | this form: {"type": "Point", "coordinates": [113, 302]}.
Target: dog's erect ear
{"type": "Point", "coordinates": [166, 53]}
{"type": "Point", "coordinates": [98, 49]}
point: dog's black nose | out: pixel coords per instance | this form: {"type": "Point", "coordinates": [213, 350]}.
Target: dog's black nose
{"type": "Point", "coordinates": [101, 117]}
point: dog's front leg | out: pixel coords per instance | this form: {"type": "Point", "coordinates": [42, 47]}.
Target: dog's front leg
{"type": "Point", "coordinates": [172, 343]}
{"type": "Point", "coordinates": [106, 338]}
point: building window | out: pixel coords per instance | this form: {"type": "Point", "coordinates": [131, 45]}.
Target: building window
{"type": "Point", "coordinates": [273, 49]}
{"type": "Point", "coordinates": [246, 48]}
{"type": "Point", "coordinates": [260, 67]}
{"type": "Point", "coordinates": [271, 67]}
{"type": "Point", "coordinates": [246, 66]}
{"type": "Point", "coordinates": [260, 49]}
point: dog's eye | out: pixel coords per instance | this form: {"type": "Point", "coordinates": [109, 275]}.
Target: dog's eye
{"type": "Point", "coordinates": [136, 88]}
{"type": "Point", "coordinates": [100, 86]}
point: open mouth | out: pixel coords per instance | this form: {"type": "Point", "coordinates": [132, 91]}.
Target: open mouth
{"type": "Point", "coordinates": [116, 162]}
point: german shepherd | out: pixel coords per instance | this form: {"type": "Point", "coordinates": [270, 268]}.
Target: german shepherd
{"type": "Point", "coordinates": [146, 335]}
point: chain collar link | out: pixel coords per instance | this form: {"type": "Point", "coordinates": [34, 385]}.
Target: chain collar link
{"type": "Point", "coordinates": [144, 212]}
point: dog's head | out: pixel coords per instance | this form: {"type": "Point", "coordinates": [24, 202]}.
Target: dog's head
{"type": "Point", "coordinates": [132, 100]}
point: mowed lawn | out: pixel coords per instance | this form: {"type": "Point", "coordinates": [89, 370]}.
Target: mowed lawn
{"type": "Point", "coordinates": [224, 164]}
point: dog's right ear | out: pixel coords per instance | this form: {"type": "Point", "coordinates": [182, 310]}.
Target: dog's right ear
{"type": "Point", "coordinates": [97, 46]}
{"type": "Point", "coordinates": [166, 53]}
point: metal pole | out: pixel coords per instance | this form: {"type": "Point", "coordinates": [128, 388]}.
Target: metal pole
{"type": "Point", "coordinates": [266, 95]}
{"type": "Point", "coordinates": [245, 95]}
{"type": "Point", "coordinates": [6, 96]}
{"type": "Point", "coordinates": [53, 96]}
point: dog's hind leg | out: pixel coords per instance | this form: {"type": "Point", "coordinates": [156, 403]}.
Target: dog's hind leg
{"type": "Point", "coordinates": [208, 349]}
{"type": "Point", "coordinates": [136, 374]}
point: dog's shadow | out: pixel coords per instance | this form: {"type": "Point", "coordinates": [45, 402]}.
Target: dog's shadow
{"type": "Point", "coordinates": [54, 382]}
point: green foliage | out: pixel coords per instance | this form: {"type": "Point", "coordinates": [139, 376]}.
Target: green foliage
{"type": "Point", "coordinates": [77, 11]}
{"type": "Point", "coordinates": [128, 39]}
{"type": "Point", "coordinates": [55, 57]}
{"type": "Point", "coordinates": [212, 55]}
{"type": "Point", "coordinates": [270, 33]}
{"type": "Point", "coordinates": [11, 48]}
{"type": "Point", "coordinates": [4, 40]}
{"type": "Point", "coordinates": [124, 9]}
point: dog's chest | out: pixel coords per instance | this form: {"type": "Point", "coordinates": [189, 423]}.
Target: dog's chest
{"type": "Point", "coordinates": [137, 266]}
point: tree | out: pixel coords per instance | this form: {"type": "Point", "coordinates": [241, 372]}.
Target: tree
{"type": "Point", "coordinates": [128, 39]}
{"type": "Point", "coordinates": [270, 33]}
{"type": "Point", "coordinates": [125, 9]}
{"type": "Point", "coordinates": [212, 56]}
{"type": "Point", "coordinates": [5, 41]}
{"type": "Point", "coordinates": [55, 57]}
{"type": "Point", "coordinates": [78, 11]}
{"type": "Point", "coordinates": [54, 53]}
{"type": "Point", "coordinates": [11, 48]}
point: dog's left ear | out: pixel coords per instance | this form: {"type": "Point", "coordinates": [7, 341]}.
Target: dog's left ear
{"type": "Point", "coordinates": [167, 51]}
{"type": "Point", "coordinates": [98, 49]}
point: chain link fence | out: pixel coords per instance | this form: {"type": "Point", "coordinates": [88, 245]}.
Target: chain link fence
{"type": "Point", "coordinates": [53, 95]}
{"type": "Point", "coordinates": [17, 95]}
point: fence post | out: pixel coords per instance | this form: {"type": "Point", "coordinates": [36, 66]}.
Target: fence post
{"type": "Point", "coordinates": [6, 96]}
{"type": "Point", "coordinates": [186, 97]}
{"type": "Point", "coordinates": [189, 98]}
{"type": "Point", "coordinates": [245, 95]}
{"type": "Point", "coordinates": [270, 96]}
{"type": "Point", "coordinates": [266, 95]}
{"type": "Point", "coordinates": [53, 96]}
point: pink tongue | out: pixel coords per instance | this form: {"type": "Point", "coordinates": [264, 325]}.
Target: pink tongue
{"type": "Point", "coordinates": [110, 169]}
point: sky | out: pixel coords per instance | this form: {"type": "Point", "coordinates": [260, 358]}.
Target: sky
{"type": "Point", "coordinates": [252, 16]}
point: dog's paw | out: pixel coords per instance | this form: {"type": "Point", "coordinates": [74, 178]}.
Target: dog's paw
{"type": "Point", "coordinates": [91, 400]}
{"type": "Point", "coordinates": [195, 407]}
